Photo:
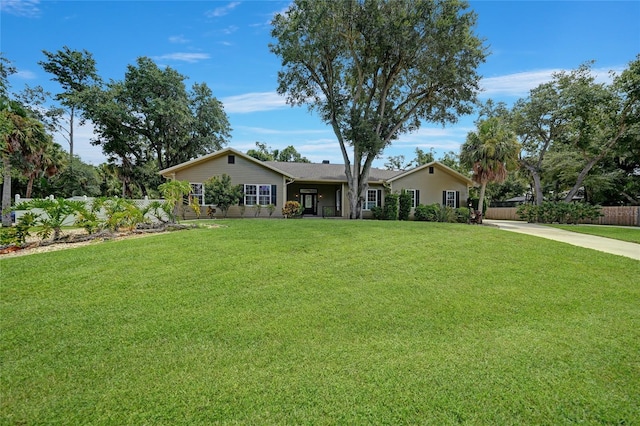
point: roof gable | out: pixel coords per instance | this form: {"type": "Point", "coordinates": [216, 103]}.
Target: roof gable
{"type": "Point", "coordinates": [225, 151]}
{"type": "Point", "coordinates": [440, 166]}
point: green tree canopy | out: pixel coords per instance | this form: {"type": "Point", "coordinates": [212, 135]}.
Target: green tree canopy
{"type": "Point", "coordinates": [150, 121]}
{"type": "Point", "coordinates": [75, 71]}
{"type": "Point", "coordinates": [376, 69]}
{"type": "Point", "coordinates": [490, 152]}
{"type": "Point", "coordinates": [288, 154]}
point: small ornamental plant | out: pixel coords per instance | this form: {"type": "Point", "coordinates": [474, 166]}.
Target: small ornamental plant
{"type": "Point", "coordinates": [291, 209]}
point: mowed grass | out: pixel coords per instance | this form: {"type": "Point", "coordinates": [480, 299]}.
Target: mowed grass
{"type": "Point", "coordinates": [629, 233]}
{"type": "Point", "coordinates": [321, 322]}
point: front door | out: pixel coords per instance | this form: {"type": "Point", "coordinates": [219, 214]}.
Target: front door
{"type": "Point", "coordinates": [309, 204]}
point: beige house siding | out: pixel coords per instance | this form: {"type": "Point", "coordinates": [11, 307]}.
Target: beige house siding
{"type": "Point", "coordinates": [432, 185]}
{"type": "Point", "coordinates": [243, 171]}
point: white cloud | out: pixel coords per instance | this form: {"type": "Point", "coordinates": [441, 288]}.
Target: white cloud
{"type": "Point", "coordinates": [26, 8]}
{"type": "Point", "coordinates": [223, 10]}
{"type": "Point", "coordinates": [183, 56]}
{"type": "Point", "coordinates": [25, 75]}
{"type": "Point", "coordinates": [253, 102]}
{"type": "Point", "coordinates": [266, 131]}
{"type": "Point", "coordinates": [519, 84]}
{"type": "Point", "coordinates": [178, 39]}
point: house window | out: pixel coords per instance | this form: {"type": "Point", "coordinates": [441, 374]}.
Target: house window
{"type": "Point", "coordinates": [372, 199]}
{"type": "Point", "coordinates": [450, 199]}
{"type": "Point", "coordinates": [231, 159]}
{"type": "Point", "coordinates": [430, 170]}
{"type": "Point", "coordinates": [197, 191]}
{"type": "Point", "coordinates": [258, 194]}
{"type": "Point", "coordinates": [414, 197]}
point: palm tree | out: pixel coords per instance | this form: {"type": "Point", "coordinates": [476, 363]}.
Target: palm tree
{"type": "Point", "coordinates": [46, 160]}
{"type": "Point", "coordinates": [20, 137]}
{"type": "Point", "coordinates": [490, 152]}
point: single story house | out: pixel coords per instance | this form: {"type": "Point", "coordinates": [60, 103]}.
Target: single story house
{"type": "Point", "coordinates": [320, 188]}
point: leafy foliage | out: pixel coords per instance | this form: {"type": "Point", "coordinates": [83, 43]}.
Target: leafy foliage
{"type": "Point", "coordinates": [219, 191]}
{"type": "Point", "coordinates": [149, 121]}
{"type": "Point", "coordinates": [174, 192]}
{"type": "Point", "coordinates": [55, 213]}
{"type": "Point", "coordinates": [404, 205]}
{"type": "Point", "coordinates": [17, 235]}
{"type": "Point", "coordinates": [490, 152]}
{"type": "Point", "coordinates": [288, 154]}
{"type": "Point", "coordinates": [292, 209]}
{"type": "Point", "coordinates": [375, 70]}
{"type": "Point", "coordinates": [559, 212]}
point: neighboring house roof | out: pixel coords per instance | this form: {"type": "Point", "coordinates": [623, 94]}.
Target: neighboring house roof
{"type": "Point", "coordinates": [314, 171]}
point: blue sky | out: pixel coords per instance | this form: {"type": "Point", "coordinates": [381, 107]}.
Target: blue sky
{"type": "Point", "coordinates": [225, 44]}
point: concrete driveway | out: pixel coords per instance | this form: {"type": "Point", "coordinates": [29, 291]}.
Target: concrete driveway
{"type": "Point", "coordinates": [607, 245]}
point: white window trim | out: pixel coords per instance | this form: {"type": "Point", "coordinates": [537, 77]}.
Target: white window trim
{"type": "Point", "coordinates": [413, 198]}
{"type": "Point", "coordinates": [257, 194]}
{"type": "Point", "coordinates": [449, 191]}
{"type": "Point", "coordinates": [366, 201]}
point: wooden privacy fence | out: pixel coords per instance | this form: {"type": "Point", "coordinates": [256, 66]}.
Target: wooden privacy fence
{"type": "Point", "coordinates": [625, 215]}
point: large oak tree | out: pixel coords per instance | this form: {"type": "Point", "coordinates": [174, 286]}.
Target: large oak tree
{"type": "Point", "coordinates": [150, 121]}
{"type": "Point", "coordinates": [376, 69]}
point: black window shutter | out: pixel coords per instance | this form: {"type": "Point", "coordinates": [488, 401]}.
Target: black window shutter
{"type": "Point", "coordinates": [417, 197]}
{"type": "Point", "coordinates": [241, 200]}
{"type": "Point", "coordinates": [444, 198]}
{"type": "Point", "coordinates": [274, 198]}
{"type": "Point", "coordinates": [379, 197]}
{"type": "Point", "coordinates": [457, 199]}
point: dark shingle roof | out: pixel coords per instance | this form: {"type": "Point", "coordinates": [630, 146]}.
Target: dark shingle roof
{"type": "Point", "coordinates": [329, 172]}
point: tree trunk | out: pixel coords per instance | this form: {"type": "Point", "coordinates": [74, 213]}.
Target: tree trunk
{"type": "Point", "coordinates": [537, 185]}
{"type": "Point", "coordinates": [483, 189]}
{"type": "Point", "coordinates": [581, 176]}
{"type": "Point", "coordinates": [29, 189]}
{"type": "Point", "coordinates": [72, 113]}
{"type": "Point", "coordinates": [6, 192]}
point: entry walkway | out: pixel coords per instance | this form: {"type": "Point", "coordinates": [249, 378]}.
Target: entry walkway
{"type": "Point", "coordinates": [607, 245]}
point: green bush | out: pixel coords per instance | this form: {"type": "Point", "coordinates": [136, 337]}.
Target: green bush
{"type": "Point", "coordinates": [558, 212]}
{"type": "Point", "coordinates": [390, 209]}
{"type": "Point", "coordinates": [447, 214]}
{"type": "Point", "coordinates": [462, 214]}
{"type": "Point", "coordinates": [17, 235]}
{"type": "Point", "coordinates": [377, 212]}
{"type": "Point", "coordinates": [427, 213]}
{"type": "Point", "coordinates": [405, 205]}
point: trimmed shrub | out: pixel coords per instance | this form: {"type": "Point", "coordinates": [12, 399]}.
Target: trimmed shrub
{"type": "Point", "coordinates": [390, 209]}
{"type": "Point", "coordinates": [558, 212]}
{"type": "Point", "coordinates": [377, 213]}
{"type": "Point", "coordinates": [405, 205]}
{"type": "Point", "coordinates": [427, 213]}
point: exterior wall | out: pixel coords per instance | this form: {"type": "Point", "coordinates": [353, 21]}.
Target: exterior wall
{"type": "Point", "coordinates": [243, 171]}
{"type": "Point", "coordinates": [432, 185]}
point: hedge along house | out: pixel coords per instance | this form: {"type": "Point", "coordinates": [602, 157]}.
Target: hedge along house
{"type": "Point", "coordinates": [321, 189]}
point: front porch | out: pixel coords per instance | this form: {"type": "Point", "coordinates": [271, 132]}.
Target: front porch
{"type": "Point", "coordinates": [317, 200]}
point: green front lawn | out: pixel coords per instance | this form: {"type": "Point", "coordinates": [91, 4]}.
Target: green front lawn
{"type": "Point", "coordinates": [630, 234]}
{"type": "Point", "coordinates": [321, 322]}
